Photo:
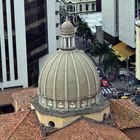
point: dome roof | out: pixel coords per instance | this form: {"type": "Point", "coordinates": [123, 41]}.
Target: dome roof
{"type": "Point", "coordinates": [67, 28]}
{"type": "Point", "coordinates": [68, 81]}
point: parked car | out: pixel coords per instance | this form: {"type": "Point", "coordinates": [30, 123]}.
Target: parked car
{"type": "Point", "coordinates": [104, 83]}
{"type": "Point", "coordinates": [117, 94]}
{"type": "Point", "coordinates": [128, 94]}
{"type": "Point", "coordinates": [124, 97]}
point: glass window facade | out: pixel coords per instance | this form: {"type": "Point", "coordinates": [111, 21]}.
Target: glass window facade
{"type": "Point", "coordinates": [36, 35]}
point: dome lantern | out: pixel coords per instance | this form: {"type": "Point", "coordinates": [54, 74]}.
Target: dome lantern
{"type": "Point", "coordinates": [67, 35]}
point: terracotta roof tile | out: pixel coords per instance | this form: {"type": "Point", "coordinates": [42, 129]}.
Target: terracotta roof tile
{"type": "Point", "coordinates": [20, 126]}
{"type": "Point", "coordinates": [125, 113]}
{"type": "Point", "coordinates": [86, 129]}
{"type": "Point", "coordinates": [24, 96]}
{"type": "Point", "coordinates": [6, 96]}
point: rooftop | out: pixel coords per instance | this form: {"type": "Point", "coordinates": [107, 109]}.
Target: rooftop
{"type": "Point", "coordinates": [20, 125]}
{"type": "Point", "coordinates": [93, 20]}
{"type": "Point", "coordinates": [84, 128]}
{"type": "Point", "coordinates": [6, 96]}
{"type": "Point", "coordinates": [125, 113]}
{"type": "Point", "coordinates": [24, 96]}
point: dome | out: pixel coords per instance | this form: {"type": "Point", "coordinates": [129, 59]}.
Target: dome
{"type": "Point", "coordinates": [67, 28]}
{"type": "Point", "coordinates": [68, 81]}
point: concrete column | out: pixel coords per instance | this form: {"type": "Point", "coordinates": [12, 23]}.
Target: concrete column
{"type": "Point", "coordinates": [69, 42]}
{"type": "Point", "coordinates": [2, 44]}
{"type": "Point", "coordinates": [138, 51]}
{"type": "Point", "coordinates": [21, 42]}
{"type": "Point", "coordinates": [10, 40]}
{"type": "Point", "coordinates": [73, 41]}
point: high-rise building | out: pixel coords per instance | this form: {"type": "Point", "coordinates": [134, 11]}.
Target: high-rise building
{"type": "Point", "coordinates": [119, 20]}
{"type": "Point", "coordinates": [138, 50]}
{"type": "Point", "coordinates": [28, 32]}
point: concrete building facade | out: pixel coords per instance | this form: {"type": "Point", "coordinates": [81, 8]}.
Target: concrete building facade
{"type": "Point", "coordinates": [119, 20]}
{"type": "Point", "coordinates": [29, 31]}
{"type": "Point", "coordinates": [80, 6]}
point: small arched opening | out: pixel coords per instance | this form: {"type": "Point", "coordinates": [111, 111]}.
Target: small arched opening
{"type": "Point", "coordinates": [104, 116]}
{"type": "Point", "coordinates": [51, 124]}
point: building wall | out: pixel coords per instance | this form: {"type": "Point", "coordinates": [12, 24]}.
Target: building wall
{"type": "Point", "coordinates": [61, 122]}
{"type": "Point", "coordinates": [74, 6]}
{"type": "Point", "coordinates": [109, 17]}
{"type": "Point", "coordinates": [53, 27]}
{"type": "Point", "coordinates": [13, 76]}
{"type": "Point", "coordinates": [138, 52]}
{"type": "Point", "coordinates": [119, 19]}
{"type": "Point", "coordinates": [127, 22]}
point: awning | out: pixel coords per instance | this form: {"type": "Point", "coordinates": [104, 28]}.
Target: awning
{"type": "Point", "coordinates": [123, 51]}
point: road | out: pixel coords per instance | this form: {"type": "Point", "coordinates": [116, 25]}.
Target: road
{"type": "Point", "coordinates": [117, 84]}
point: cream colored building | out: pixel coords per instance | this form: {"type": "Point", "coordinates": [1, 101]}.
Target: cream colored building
{"type": "Point", "coordinates": [138, 50]}
{"type": "Point", "coordinates": [69, 85]}
{"type": "Point", "coordinates": [80, 6]}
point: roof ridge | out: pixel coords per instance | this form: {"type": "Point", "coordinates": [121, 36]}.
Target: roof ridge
{"type": "Point", "coordinates": [96, 133]}
{"type": "Point", "coordinates": [27, 112]}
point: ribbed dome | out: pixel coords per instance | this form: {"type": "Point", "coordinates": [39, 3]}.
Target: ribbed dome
{"type": "Point", "coordinates": [68, 81]}
{"type": "Point", "coordinates": [67, 28]}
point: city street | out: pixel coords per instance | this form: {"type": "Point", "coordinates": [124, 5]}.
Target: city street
{"type": "Point", "coordinates": [116, 83]}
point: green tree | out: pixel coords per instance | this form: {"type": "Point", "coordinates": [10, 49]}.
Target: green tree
{"type": "Point", "coordinates": [111, 62]}
{"type": "Point", "coordinates": [100, 50]}
{"type": "Point", "coordinates": [84, 31]}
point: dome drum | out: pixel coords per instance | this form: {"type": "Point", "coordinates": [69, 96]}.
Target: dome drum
{"type": "Point", "coordinates": [64, 105]}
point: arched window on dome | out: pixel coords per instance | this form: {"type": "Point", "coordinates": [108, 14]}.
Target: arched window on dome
{"type": "Point", "coordinates": [51, 124]}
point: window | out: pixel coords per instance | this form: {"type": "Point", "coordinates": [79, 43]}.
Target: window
{"type": "Point", "coordinates": [93, 6]}
{"type": "Point", "coordinates": [67, 43]}
{"type": "Point", "coordinates": [56, 12]}
{"type": "Point", "coordinates": [57, 37]}
{"type": "Point", "coordinates": [80, 7]}
{"type": "Point", "coordinates": [87, 7]}
{"type": "Point", "coordinates": [51, 124]}
{"type": "Point", "coordinates": [57, 24]}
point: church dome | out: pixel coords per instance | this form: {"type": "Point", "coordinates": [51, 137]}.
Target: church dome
{"type": "Point", "coordinates": [67, 28]}
{"type": "Point", "coordinates": [68, 81]}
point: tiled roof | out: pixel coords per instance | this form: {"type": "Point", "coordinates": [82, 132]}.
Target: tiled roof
{"type": "Point", "coordinates": [6, 96]}
{"type": "Point", "coordinates": [20, 126]}
{"type": "Point", "coordinates": [125, 113]}
{"type": "Point", "coordinates": [86, 129]}
{"type": "Point", "coordinates": [24, 96]}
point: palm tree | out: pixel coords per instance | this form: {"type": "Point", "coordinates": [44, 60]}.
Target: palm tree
{"type": "Point", "coordinates": [84, 31]}
{"type": "Point", "coordinates": [100, 50]}
{"type": "Point", "coordinates": [111, 62]}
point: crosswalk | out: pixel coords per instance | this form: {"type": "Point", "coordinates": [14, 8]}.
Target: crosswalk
{"type": "Point", "coordinates": [108, 90]}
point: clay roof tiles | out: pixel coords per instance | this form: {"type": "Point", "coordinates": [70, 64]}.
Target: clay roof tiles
{"type": "Point", "coordinates": [86, 129]}
{"type": "Point", "coordinates": [24, 96]}
{"type": "Point", "coordinates": [125, 113]}
{"type": "Point", "coordinates": [20, 126]}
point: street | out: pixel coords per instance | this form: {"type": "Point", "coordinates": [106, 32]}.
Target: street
{"type": "Point", "coordinates": [116, 83]}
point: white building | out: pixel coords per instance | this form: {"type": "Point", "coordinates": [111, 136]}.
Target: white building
{"type": "Point", "coordinates": [119, 19]}
{"type": "Point", "coordinates": [29, 31]}
{"type": "Point", "coordinates": [138, 50]}
{"type": "Point", "coordinates": [80, 6]}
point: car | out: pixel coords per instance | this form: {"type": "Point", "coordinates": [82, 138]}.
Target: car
{"type": "Point", "coordinates": [104, 83]}
{"type": "Point", "coordinates": [128, 94]}
{"type": "Point", "coordinates": [124, 97]}
{"type": "Point", "coordinates": [117, 94]}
